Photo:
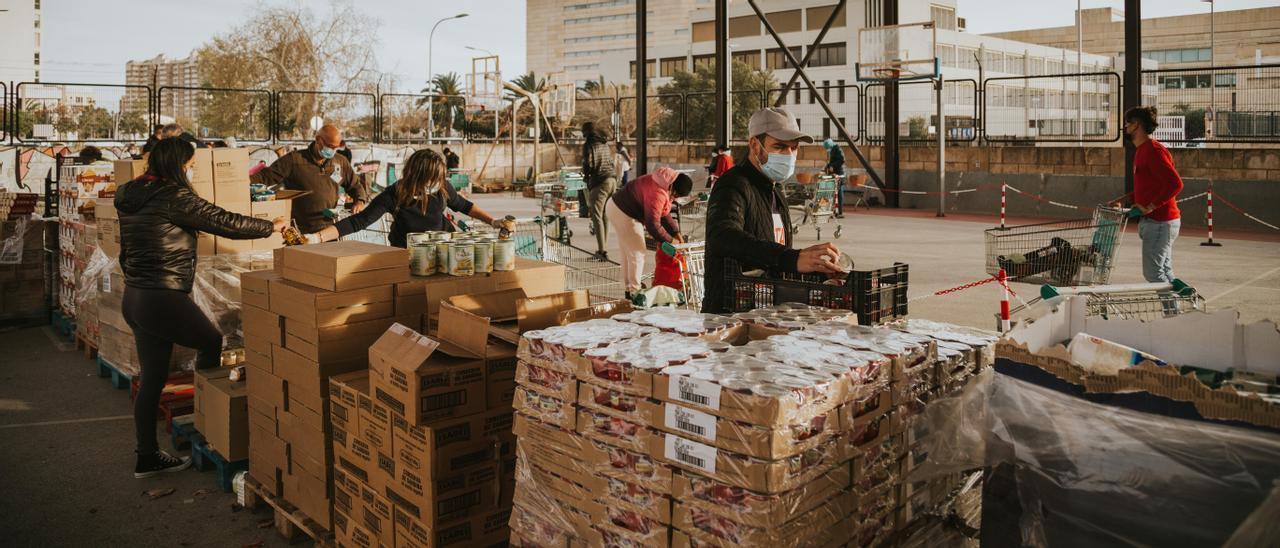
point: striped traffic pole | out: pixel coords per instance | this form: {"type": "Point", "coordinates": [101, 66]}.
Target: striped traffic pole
{"type": "Point", "coordinates": [1209, 217]}
{"type": "Point", "coordinates": [1003, 278]}
{"type": "Point", "coordinates": [1004, 190]}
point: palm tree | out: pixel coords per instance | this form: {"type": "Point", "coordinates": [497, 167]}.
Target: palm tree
{"type": "Point", "coordinates": [593, 87]}
{"type": "Point", "coordinates": [447, 88]}
{"type": "Point", "coordinates": [530, 83]}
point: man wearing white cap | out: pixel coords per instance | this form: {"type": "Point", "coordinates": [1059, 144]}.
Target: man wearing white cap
{"type": "Point", "coordinates": [747, 217]}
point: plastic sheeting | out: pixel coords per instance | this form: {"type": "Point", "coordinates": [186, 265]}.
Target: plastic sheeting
{"type": "Point", "coordinates": [1086, 474]}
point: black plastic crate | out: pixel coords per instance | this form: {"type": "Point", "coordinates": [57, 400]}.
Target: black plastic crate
{"type": "Point", "coordinates": [876, 296]}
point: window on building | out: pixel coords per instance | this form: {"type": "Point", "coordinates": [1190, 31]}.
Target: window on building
{"type": "Point", "coordinates": [826, 90]}
{"type": "Point", "coordinates": [37, 59]}
{"type": "Point", "coordinates": [671, 65]}
{"type": "Point", "coordinates": [1013, 64]}
{"type": "Point", "coordinates": [786, 21]}
{"type": "Point", "coordinates": [1226, 80]}
{"type": "Point", "coordinates": [947, 55]}
{"type": "Point", "coordinates": [1037, 66]}
{"type": "Point", "coordinates": [748, 58]}
{"type": "Point", "coordinates": [830, 130]}
{"type": "Point", "coordinates": [704, 61]}
{"type": "Point", "coordinates": [816, 17]}
{"type": "Point", "coordinates": [747, 25]}
{"type": "Point", "coordinates": [840, 90]}
{"type": "Point", "coordinates": [796, 96]}
{"type": "Point", "coordinates": [777, 60]}
{"type": "Point", "coordinates": [704, 31]}
{"type": "Point", "coordinates": [943, 16]}
{"type": "Point", "coordinates": [966, 58]}
{"type": "Point", "coordinates": [828, 55]}
{"type": "Point", "coordinates": [650, 69]}
{"type": "Point", "coordinates": [1053, 66]}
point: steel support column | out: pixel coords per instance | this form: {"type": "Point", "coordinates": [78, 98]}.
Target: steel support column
{"type": "Point", "coordinates": [724, 74]}
{"type": "Point", "coordinates": [891, 173]}
{"type": "Point", "coordinates": [641, 165]}
{"type": "Point", "coordinates": [1132, 77]}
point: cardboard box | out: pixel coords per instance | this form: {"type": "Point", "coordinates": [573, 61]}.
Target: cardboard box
{"type": "Point", "coordinates": [561, 413]}
{"type": "Point", "coordinates": [222, 413]}
{"type": "Point", "coordinates": [202, 168]}
{"type": "Point", "coordinates": [320, 308]}
{"type": "Point", "coordinates": [261, 324]}
{"type": "Point", "coordinates": [230, 167]}
{"type": "Point", "coordinates": [281, 206]}
{"type": "Point", "coordinates": [708, 397]}
{"type": "Point", "coordinates": [617, 432]}
{"type": "Point", "coordinates": [767, 476]}
{"type": "Point", "coordinates": [812, 527]}
{"type": "Point", "coordinates": [760, 509]}
{"type": "Point", "coordinates": [375, 515]}
{"type": "Point", "coordinates": [434, 511]}
{"type": "Point", "coordinates": [255, 288]}
{"type": "Point", "coordinates": [308, 438]}
{"type": "Point", "coordinates": [593, 457]}
{"type": "Point", "coordinates": [536, 278]}
{"type": "Point", "coordinates": [205, 190]}
{"type": "Point", "coordinates": [308, 381]}
{"type": "Point", "coordinates": [266, 392]}
{"type": "Point", "coordinates": [311, 495]}
{"type": "Point", "coordinates": [225, 246]}
{"type": "Point", "coordinates": [344, 400]}
{"type": "Point", "coordinates": [128, 170]}
{"type": "Point", "coordinates": [500, 393]}
{"type": "Point", "coordinates": [375, 424]}
{"type": "Point", "coordinates": [424, 380]}
{"type": "Point", "coordinates": [449, 447]}
{"type": "Point", "coordinates": [257, 354]}
{"type": "Point", "coordinates": [346, 265]}
{"type": "Point", "coordinates": [484, 529]}
{"type": "Point", "coordinates": [335, 343]}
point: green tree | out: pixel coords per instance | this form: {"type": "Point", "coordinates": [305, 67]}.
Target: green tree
{"type": "Point", "coordinates": [694, 95]}
{"type": "Point", "coordinates": [1194, 127]}
{"type": "Point", "coordinates": [530, 83]}
{"type": "Point", "coordinates": [96, 123]}
{"type": "Point", "coordinates": [916, 128]}
{"type": "Point", "coordinates": [593, 87]}
{"type": "Point", "coordinates": [133, 124]}
{"type": "Point", "coordinates": [448, 104]}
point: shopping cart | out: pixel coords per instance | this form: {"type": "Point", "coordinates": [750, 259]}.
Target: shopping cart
{"type": "Point", "coordinates": [691, 257]}
{"type": "Point", "coordinates": [691, 216]}
{"type": "Point", "coordinates": [1145, 301]}
{"type": "Point", "coordinates": [603, 279]}
{"type": "Point", "coordinates": [377, 233]}
{"type": "Point", "coordinates": [1063, 253]}
{"type": "Point", "coordinates": [814, 203]}
{"type": "Point", "coordinates": [530, 236]}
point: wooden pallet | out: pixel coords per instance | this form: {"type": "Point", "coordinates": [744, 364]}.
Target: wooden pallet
{"type": "Point", "coordinates": [63, 325]}
{"type": "Point", "coordinates": [205, 458]}
{"type": "Point", "coordinates": [90, 348]}
{"type": "Point", "coordinates": [181, 430]}
{"type": "Point", "coordinates": [119, 379]}
{"type": "Point", "coordinates": [290, 522]}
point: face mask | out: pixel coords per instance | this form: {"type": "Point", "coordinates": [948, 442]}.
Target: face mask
{"type": "Point", "coordinates": [191, 174]}
{"type": "Point", "coordinates": [779, 167]}
{"type": "Point", "coordinates": [328, 153]}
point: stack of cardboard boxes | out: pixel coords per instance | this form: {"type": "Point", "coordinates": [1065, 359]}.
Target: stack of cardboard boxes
{"type": "Point", "coordinates": [422, 442]}
{"type": "Point", "coordinates": [78, 190]}
{"type": "Point", "coordinates": [313, 318]}
{"type": "Point", "coordinates": [676, 438]}
{"type": "Point", "coordinates": [222, 413]}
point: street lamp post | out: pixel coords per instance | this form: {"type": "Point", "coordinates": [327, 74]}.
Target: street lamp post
{"type": "Point", "coordinates": [1079, 70]}
{"type": "Point", "coordinates": [482, 50]}
{"type": "Point", "coordinates": [431, 107]}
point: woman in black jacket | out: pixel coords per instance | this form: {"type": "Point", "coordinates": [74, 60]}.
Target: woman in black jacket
{"type": "Point", "coordinates": [416, 203]}
{"type": "Point", "coordinates": [159, 217]}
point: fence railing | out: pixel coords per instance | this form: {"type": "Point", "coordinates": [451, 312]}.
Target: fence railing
{"type": "Point", "coordinates": [1228, 104]}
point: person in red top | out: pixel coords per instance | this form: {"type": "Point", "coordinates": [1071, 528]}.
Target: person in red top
{"type": "Point", "coordinates": [645, 204]}
{"type": "Point", "coordinates": [1156, 185]}
{"type": "Point", "coordinates": [720, 163]}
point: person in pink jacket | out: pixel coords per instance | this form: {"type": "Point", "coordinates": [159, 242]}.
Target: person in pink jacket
{"type": "Point", "coordinates": [645, 204]}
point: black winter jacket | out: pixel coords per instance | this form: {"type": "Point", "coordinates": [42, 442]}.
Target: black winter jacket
{"type": "Point", "coordinates": [158, 224]}
{"type": "Point", "coordinates": [597, 163]}
{"type": "Point", "coordinates": [740, 226]}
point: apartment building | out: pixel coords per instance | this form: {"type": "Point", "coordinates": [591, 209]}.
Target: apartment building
{"type": "Point", "coordinates": [175, 105]}
{"type": "Point", "coordinates": [20, 42]}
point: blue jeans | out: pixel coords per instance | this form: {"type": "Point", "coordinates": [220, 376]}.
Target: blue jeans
{"type": "Point", "coordinates": [1157, 248]}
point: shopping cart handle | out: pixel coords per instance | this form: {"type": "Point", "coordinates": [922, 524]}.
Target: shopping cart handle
{"type": "Point", "coordinates": [1134, 212]}
{"type": "Point", "coordinates": [668, 248]}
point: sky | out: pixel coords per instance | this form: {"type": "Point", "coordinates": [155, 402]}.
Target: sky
{"type": "Point", "coordinates": [83, 42]}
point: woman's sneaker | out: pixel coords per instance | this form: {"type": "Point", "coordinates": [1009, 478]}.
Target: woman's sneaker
{"type": "Point", "coordinates": [159, 463]}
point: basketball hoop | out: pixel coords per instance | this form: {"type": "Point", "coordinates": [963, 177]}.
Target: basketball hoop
{"type": "Point", "coordinates": [898, 52]}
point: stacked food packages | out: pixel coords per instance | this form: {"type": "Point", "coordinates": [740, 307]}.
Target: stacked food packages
{"type": "Point", "coordinates": [24, 287]}
{"type": "Point", "coordinates": [675, 428]}
{"type": "Point", "coordinates": [17, 205]}
{"type": "Point", "coordinates": [467, 254]}
{"type": "Point", "coordinates": [78, 190]}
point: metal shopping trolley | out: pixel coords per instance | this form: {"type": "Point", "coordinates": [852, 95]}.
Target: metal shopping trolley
{"type": "Point", "coordinates": [1144, 301]}
{"type": "Point", "coordinates": [691, 257]}
{"type": "Point", "coordinates": [814, 203]}
{"type": "Point", "coordinates": [691, 215]}
{"type": "Point", "coordinates": [603, 279]}
{"type": "Point", "coordinates": [1064, 253]}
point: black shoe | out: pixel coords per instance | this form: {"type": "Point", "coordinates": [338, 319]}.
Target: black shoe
{"type": "Point", "coordinates": [600, 256]}
{"type": "Point", "coordinates": [159, 463]}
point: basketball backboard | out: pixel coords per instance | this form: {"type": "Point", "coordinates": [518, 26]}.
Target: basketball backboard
{"type": "Point", "coordinates": [898, 52]}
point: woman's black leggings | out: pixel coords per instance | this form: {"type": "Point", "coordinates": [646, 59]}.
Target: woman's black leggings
{"type": "Point", "coordinates": [161, 318]}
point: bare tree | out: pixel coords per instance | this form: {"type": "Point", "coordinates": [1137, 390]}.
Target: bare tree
{"type": "Point", "coordinates": [290, 48]}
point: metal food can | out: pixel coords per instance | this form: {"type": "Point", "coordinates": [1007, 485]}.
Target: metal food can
{"type": "Point", "coordinates": [422, 259]}
{"type": "Point", "coordinates": [484, 256]}
{"type": "Point", "coordinates": [461, 259]}
{"type": "Point", "coordinates": [440, 235]}
{"type": "Point", "coordinates": [442, 256]}
{"type": "Point", "coordinates": [415, 238]}
{"type": "Point", "coordinates": [504, 255]}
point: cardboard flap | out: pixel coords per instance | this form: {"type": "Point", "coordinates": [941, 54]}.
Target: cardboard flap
{"type": "Point", "coordinates": [497, 306]}
{"type": "Point", "coordinates": [462, 334]}
{"type": "Point", "coordinates": [403, 346]}
{"type": "Point", "coordinates": [543, 312]}
{"type": "Point", "coordinates": [602, 310]}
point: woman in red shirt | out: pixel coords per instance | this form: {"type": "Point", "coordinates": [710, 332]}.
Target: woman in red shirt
{"type": "Point", "coordinates": [1156, 185]}
{"type": "Point", "coordinates": [645, 205]}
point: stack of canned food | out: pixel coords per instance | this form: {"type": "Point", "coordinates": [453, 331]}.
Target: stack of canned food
{"type": "Point", "coordinates": [459, 254]}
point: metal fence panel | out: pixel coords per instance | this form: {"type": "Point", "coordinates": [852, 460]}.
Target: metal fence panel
{"type": "Point", "coordinates": [244, 114]}
{"type": "Point", "coordinates": [665, 118]}
{"type": "Point", "coordinates": [1047, 108]}
{"type": "Point", "coordinates": [918, 111]}
{"type": "Point", "coordinates": [844, 100]}
{"type": "Point", "coordinates": [297, 114]}
{"type": "Point", "coordinates": [598, 110]}
{"type": "Point", "coordinates": [76, 113]}
{"type": "Point", "coordinates": [5, 118]}
{"type": "Point", "coordinates": [403, 119]}
{"type": "Point", "coordinates": [1245, 103]}
{"type": "Point", "coordinates": [699, 114]}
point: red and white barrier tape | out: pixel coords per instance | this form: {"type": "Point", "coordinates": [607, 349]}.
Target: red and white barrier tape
{"type": "Point", "coordinates": [1048, 201]}
{"type": "Point", "coordinates": [1245, 213]}
{"type": "Point", "coordinates": [970, 285]}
